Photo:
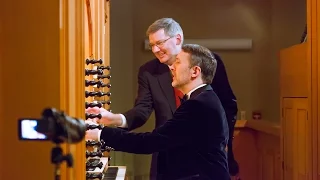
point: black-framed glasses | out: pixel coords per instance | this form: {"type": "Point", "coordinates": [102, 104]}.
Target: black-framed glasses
{"type": "Point", "coordinates": [160, 43]}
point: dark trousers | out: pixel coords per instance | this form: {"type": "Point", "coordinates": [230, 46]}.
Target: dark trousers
{"type": "Point", "coordinates": [232, 163]}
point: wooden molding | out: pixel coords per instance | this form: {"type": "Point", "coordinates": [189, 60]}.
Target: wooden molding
{"type": "Point", "coordinates": [72, 77]}
{"type": "Point", "coordinates": [89, 24]}
{"type": "Point", "coordinates": [259, 125]}
{"type": "Point", "coordinates": [313, 30]}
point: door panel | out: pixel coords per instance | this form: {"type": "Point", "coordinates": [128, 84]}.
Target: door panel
{"type": "Point", "coordinates": [296, 139]}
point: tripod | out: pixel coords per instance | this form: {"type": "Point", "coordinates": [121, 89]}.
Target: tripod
{"type": "Point", "coordinates": [57, 158]}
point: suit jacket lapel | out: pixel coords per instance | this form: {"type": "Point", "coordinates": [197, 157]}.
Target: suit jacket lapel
{"type": "Point", "coordinates": [165, 79]}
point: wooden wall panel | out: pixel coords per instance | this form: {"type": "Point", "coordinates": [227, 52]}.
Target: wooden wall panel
{"type": "Point", "coordinates": [246, 153]}
{"type": "Point", "coordinates": [257, 150]}
{"type": "Point", "coordinates": [269, 156]}
{"type": "Point", "coordinates": [293, 71]}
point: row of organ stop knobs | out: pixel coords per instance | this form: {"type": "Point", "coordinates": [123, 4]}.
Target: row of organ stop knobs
{"type": "Point", "coordinates": [97, 94]}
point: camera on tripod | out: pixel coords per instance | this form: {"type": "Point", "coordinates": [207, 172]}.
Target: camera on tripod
{"type": "Point", "coordinates": [57, 127]}
{"type": "Point", "coordinates": [54, 125]}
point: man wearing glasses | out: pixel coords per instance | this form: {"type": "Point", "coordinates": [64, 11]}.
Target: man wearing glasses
{"type": "Point", "coordinates": [155, 91]}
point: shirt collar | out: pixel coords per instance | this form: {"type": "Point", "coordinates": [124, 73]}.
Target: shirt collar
{"type": "Point", "coordinates": [189, 93]}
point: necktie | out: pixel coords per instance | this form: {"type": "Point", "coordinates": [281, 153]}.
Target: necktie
{"type": "Point", "coordinates": [178, 95]}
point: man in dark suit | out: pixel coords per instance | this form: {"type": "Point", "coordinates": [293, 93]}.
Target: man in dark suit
{"type": "Point", "coordinates": [156, 93]}
{"type": "Point", "coordinates": [192, 144]}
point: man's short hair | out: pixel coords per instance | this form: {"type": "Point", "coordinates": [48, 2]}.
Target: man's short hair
{"type": "Point", "coordinates": [202, 57]}
{"type": "Point", "coordinates": [170, 27]}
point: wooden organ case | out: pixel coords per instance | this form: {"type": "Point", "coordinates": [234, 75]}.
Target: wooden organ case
{"type": "Point", "coordinates": [56, 39]}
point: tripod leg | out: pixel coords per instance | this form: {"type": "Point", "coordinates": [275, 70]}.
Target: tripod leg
{"type": "Point", "coordinates": [57, 172]}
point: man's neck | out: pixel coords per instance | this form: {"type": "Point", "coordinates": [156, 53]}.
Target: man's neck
{"type": "Point", "coordinates": [191, 86]}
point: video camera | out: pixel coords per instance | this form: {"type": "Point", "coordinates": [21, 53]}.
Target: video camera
{"type": "Point", "coordinates": [54, 125]}
{"type": "Point", "coordinates": [57, 127]}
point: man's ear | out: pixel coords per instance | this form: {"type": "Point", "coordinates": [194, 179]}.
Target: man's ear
{"type": "Point", "coordinates": [179, 39]}
{"type": "Point", "coordinates": [196, 71]}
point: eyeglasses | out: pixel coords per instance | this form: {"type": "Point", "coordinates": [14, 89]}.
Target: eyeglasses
{"type": "Point", "coordinates": [160, 43]}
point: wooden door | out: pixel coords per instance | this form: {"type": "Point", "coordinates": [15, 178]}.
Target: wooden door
{"type": "Point", "coordinates": [296, 139]}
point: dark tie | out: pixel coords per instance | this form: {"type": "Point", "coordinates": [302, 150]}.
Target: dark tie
{"type": "Point", "coordinates": [184, 98]}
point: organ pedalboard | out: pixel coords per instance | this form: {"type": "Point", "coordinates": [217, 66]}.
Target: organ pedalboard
{"type": "Point", "coordinates": [97, 94]}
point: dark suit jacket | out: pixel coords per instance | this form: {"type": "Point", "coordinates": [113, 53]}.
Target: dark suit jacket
{"type": "Point", "coordinates": [191, 144]}
{"type": "Point", "coordinates": [156, 93]}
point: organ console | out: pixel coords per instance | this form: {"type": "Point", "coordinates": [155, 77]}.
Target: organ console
{"type": "Point", "coordinates": [97, 89]}
{"type": "Point", "coordinates": [97, 95]}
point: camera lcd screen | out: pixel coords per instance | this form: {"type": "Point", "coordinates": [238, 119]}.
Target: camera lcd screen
{"type": "Point", "coordinates": [27, 130]}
